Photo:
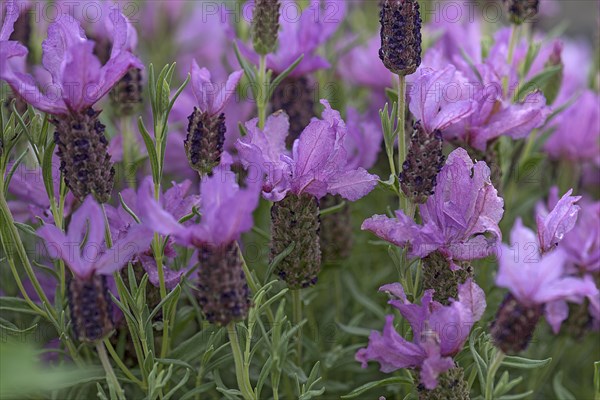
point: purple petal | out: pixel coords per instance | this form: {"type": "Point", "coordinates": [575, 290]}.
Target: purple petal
{"type": "Point", "coordinates": [433, 365]}
{"type": "Point", "coordinates": [556, 312]}
{"type": "Point", "coordinates": [473, 298]}
{"type": "Point", "coordinates": [353, 185]}
{"type": "Point", "coordinates": [552, 227]}
{"type": "Point", "coordinates": [390, 350]}
{"type": "Point", "coordinates": [124, 250]}
{"type": "Point", "coordinates": [11, 14]}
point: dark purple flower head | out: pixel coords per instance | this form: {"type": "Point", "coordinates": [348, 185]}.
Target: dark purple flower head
{"type": "Point", "coordinates": [78, 80]}
{"type": "Point", "coordinates": [460, 220]}
{"type": "Point", "coordinates": [82, 248]}
{"type": "Point", "coordinates": [317, 165]}
{"type": "Point", "coordinates": [211, 97]}
{"type": "Point", "coordinates": [225, 208]}
{"type": "Point", "coordinates": [553, 225]}
{"type": "Point", "coordinates": [303, 35]}
{"type": "Point", "coordinates": [535, 278]}
{"type": "Point", "coordinates": [439, 332]}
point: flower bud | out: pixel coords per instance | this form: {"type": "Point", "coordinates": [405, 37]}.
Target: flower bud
{"type": "Point", "coordinates": [91, 308]}
{"type": "Point", "coordinates": [223, 293]}
{"type": "Point", "coordinates": [295, 96]}
{"type": "Point", "coordinates": [204, 141]}
{"type": "Point", "coordinates": [336, 230]}
{"type": "Point", "coordinates": [521, 10]}
{"type": "Point", "coordinates": [438, 275]}
{"type": "Point", "coordinates": [295, 219]}
{"type": "Point", "coordinates": [423, 162]}
{"type": "Point", "coordinates": [127, 93]}
{"type": "Point", "coordinates": [514, 325]}
{"type": "Point", "coordinates": [83, 151]}
{"type": "Point", "coordinates": [451, 386]}
{"type": "Point", "coordinates": [400, 36]}
{"type": "Point", "coordinates": [265, 26]}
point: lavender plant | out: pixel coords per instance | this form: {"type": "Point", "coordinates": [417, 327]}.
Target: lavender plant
{"type": "Point", "coordinates": [219, 227]}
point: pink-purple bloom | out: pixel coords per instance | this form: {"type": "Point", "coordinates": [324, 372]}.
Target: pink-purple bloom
{"type": "Point", "coordinates": [225, 208]}
{"type": "Point", "coordinates": [535, 278]}
{"type": "Point", "coordinates": [318, 163]}
{"type": "Point", "coordinates": [78, 80]}
{"type": "Point", "coordinates": [460, 219]}
{"type": "Point", "coordinates": [439, 332]}
{"type": "Point", "coordinates": [212, 97]}
{"type": "Point", "coordinates": [577, 131]}
{"type": "Point", "coordinates": [83, 248]}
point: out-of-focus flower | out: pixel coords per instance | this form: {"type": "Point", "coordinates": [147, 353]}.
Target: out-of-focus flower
{"type": "Point", "coordinates": [317, 165]}
{"type": "Point", "coordinates": [577, 133]}
{"type": "Point", "coordinates": [433, 346]}
{"type": "Point", "coordinates": [582, 243]}
{"type": "Point", "coordinates": [460, 220]}
{"type": "Point", "coordinates": [83, 250]}
{"type": "Point", "coordinates": [538, 284]}
{"type": "Point", "coordinates": [303, 36]}
{"type": "Point", "coordinates": [362, 66]}
{"type": "Point", "coordinates": [27, 184]}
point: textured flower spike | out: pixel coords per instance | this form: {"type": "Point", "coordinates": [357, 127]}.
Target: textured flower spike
{"type": "Point", "coordinates": [206, 128]}
{"type": "Point", "coordinates": [537, 285]}
{"type": "Point", "coordinates": [83, 250]}
{"type": "Point", "coordinates": [423, 162]}
{"type": "Point", "coordinates": [295, 96]}
{"type": "Point", "coordinates": [400, 36]}
{"type": "Point", "coordinates": [78, 82]}
{"type": "Point", "coordinates": [522, 10]}
{"type": "Point", "coordinates": [226, 211]}
{"type": "Point", "coordinates": [265, 25]}
{"type": "Point", "coordinates": [318, 165]}
{"type": "Point", "coordinates": [432, 348]}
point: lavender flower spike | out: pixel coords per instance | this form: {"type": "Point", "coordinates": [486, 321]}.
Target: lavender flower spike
{"type": "Point", "coordinates": [226, 211]}
{"type": "Point", "coordinates": [456, 219]}
{"type": "Point", "coordinates": [206, 129]}
{"type": "Point", "coordinates": [432, 347]}
{"type": "Point", "coordinates": [83, 250]}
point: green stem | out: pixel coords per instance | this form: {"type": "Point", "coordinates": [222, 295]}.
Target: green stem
{"type": "Point", "coordinates": [297, 305]}
{"type": "Point", "coordinates": [110, 374]}
{"type": "Point", "coordinates": [401, 133]}
{"type": "Point", "coordinates": [121, 365]}
{"type": "Point", "coordinates": [511, 50]}
{"type": "Point", "coordinates": [254, 287]}
{"type": "Point", "coordinates": [126, 130]}
{"type": "Point", "coordinates": [491, 375]}
{"type": "Point", "coordinates": [262, 92]}
{"type": "Point", "coordinates": [13, 242]}
{"type": "Point", "coordinates": [241, 373]}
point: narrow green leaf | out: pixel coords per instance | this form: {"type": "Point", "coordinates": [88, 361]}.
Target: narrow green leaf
{"type": "Point", "coordinates": [277, 81]}
{"type": "Point", "coordinates": [524, 363]}
{"type": "Point", "coordinates": [371, 385]}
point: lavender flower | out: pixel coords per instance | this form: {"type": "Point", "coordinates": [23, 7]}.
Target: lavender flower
{"type": "Point", "coordinates": [226, 211]}
{"type": "Point", "coordinates": [303, 36]}
{"type": "Point", "coordinates": [577, 132]}
{"type": "Point", "coordinates": [317, 165]}
{"type": "Point", "coordinates": [78, 82]}
{"type": "Point", "coordinates": [537, 283]}
{"type": "Point", "coordinates": [439, 332]}
{"type": "Point", "coordinates": [460, 220]}
{"type": "Point", "coordinates": [83, 250]}
{"type": "Point", "coordinates": [206, 129]}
